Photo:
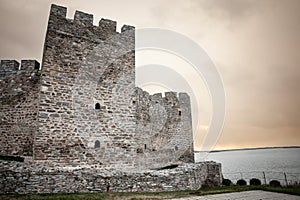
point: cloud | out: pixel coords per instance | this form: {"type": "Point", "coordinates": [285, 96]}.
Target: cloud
{"type": "Point", "coordinates": [23, 27]}
{"type": "Point", "coordinates": [255, 44]}
{"type": "Point", "coordinates": [230, 9]}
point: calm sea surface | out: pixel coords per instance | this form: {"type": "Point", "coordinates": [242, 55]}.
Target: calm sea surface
{"type": "Point", "coordinates": [266, 164]}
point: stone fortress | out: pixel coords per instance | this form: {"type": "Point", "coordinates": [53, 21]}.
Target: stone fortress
{"type": "Point", "coordinates": [81, 108]}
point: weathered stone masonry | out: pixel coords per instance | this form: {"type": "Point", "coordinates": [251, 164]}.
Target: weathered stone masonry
{"type": "Point", "coordinates": [82, 108]}
{"type": "Point", "coordinates": [19, 106]}
{"type": "Point", "coordinates": [24, 178]}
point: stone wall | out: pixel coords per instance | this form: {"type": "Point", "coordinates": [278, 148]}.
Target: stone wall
{"type": "Point", "coordinates": [86, 114]}
{"type": "Point", "coordinates": [164, 129]}
{"type": "Point", "coordinates": [90, 111]}
{"type": "Point", "coordinates": [25, 178]}
{"type": "Point", "coordinates": [83, 106]}
{"type": "Point", "coordinates": [80, 121]}
{"type": "Point", "coordinates": [19, 89]}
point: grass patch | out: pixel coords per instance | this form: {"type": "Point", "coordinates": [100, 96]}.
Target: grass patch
{"type": "Point", "coordinates": [293, 190]}
{"type": "Point", "coordinates": [152, 195]}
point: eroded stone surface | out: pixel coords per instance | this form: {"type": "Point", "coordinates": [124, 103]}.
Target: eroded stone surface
{"type": "Point", "coordinates": [18, 106]}
{"type": "Point", "coordinates": [83, 109]}
{"type": "Point", "coordinates": [83, 106]}
{"type": "Point", "coordinates": [40, 178]}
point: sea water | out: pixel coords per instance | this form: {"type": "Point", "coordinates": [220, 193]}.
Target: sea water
{"type": "Point", "coordinates": [282, 164]}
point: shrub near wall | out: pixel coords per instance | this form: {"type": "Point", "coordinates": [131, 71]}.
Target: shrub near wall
{"type": "Point", "coordinates": [226, 182]}
{"type": "Point", "coordinates": [241, 182]}
{"type": "Point", "coordinates": [275, 183]}
{"type": "Point", "coordinates": [255, 181]}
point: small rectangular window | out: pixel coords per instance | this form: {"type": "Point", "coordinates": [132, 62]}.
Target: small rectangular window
{"type": "Point", "coordinates": [97, 144]}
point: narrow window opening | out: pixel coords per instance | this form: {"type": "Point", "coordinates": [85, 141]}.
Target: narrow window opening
{"type": "Point", "coordinates": [145, 146]}
{"type": "Point", "coordinates": [139, 150]}
{"type": "Point", "coordinates": [97, 106]}
{"type": "Point", "coordinates": [179, 112]}
{"type": "Point", "coordinates": [36, 65]}
{"type": "Point", "coordinates": [97, 144]}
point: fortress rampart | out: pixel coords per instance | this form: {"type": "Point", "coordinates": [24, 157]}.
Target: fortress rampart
{"type": "Point", "coordinates": [81, 108]}
{"type": "Point", "coordinates": [19, 106]}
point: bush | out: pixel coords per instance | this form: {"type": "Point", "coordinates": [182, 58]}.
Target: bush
{"type": "Point", "coordinates": [208, 183]}
{"type": "Point", "coordinates": [241, 182]}
{"type": "Point", "coordinates": [275, 183]}
{"type": "Point", "coordinates": [226, 182]}
{"type": "Point", "coordinates": [255, 181]}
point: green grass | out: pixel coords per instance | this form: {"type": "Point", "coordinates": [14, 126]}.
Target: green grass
{"type": "Point", "coordinates": [294, 190]}
{"type": "Point", "coordinates": [152, 195]}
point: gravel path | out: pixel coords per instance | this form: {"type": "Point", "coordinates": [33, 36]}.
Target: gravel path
{"type": "Point", "coordinates": [248, 195]}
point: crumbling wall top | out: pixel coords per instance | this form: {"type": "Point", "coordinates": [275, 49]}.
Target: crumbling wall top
{"type": "Point", "coordinates": [58, 10]}
{"type": "Point", "coordinates": [81, 23]}
{"type": "Point", "coordinates": [108, 25]}
{"type": "Point", "coordinates": [84, 18]}
{"type": "Point", "coordinates": [170, 94]}
{"type": "Point", "coordinates": [30, 65]}
{"type": "Point", "coordinates": [9, 65]}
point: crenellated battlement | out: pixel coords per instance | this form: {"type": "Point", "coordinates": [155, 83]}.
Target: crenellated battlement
{"type": "Point", "coordinates": [82, 24]}
{"type": "Point", "coordinates": [157, 97]}
{"type": "Point", "coordinates": [83, 18]}
{"type": "Point", "coordinates": [30, 65]}
{"type": "Point", "coordinates": [10, 66]}
{"type": "Point", "coordinates": [126, 28]}
{"type": "Point", "coordinates": [183, 96]}
{"type": "Point", "coordinates": [82, 107]}
{"type": "Point", "coordinates": [108, 25]}
{"type": "Point", "coordinates": [170, 94]}
{"type": "Point", "coordinates": [58, 11]}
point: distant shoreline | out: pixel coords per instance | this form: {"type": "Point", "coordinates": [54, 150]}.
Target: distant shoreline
{"type": "Point", "coordinates": [248, 149]}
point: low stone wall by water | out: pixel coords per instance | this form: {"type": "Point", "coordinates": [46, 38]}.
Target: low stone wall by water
{"type": "Point", "coordinates": [16, 177]}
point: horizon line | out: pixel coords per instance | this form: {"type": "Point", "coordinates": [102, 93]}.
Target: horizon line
{"type": "Point", "coordinates": [247, 148]}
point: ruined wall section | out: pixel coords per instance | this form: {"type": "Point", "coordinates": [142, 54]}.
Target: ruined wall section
{"type": "Point", "coordinates": [164, 129]}
{"type": "Point", "coordinates": [86, 70]}
{"type": "Point", "coordinates": [186, 129]}
{"type": "Point", "coordinates": [18, 106]}
{"type": "Point", "coordinates": [25, 178]}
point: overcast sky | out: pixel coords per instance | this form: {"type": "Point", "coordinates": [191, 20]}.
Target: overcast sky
{"type": "Point", "coordinates": [255, 44]}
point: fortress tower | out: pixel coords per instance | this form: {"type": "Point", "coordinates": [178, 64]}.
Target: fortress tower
{"type": "Point", "coordinates": [82, 107]}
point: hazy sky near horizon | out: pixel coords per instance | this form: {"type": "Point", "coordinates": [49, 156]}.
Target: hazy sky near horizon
{"type": "Point", "coordinates": [255, 44]}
